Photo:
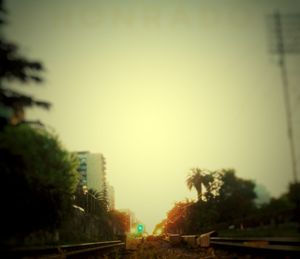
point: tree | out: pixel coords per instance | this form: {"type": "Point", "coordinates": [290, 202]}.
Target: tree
{"type": "Point", "coordinates": [236, 197]}
{"type": "Point", "coordinates": [199, 178]}
{"type": "Point", "coordinates": [40, 178]}
{"type": "Point", "coordinates": [226, 199]}
{"type": "Point", "coordinates": [202, 217]}
{"type": "Point", "coordinates": [212, 184]}
{"type": "Point", "coordinates": [177, 217]}
{"type": "Point", "coordinates": [97, 205]}
{"type": "Point", "coordinates": [120, 222]}
{"type": "Point", "coordinates": [14, 67]}
{"type": "Point", "coordinates": [195, 180]}
{"type": "Point", "coordinates": [294, 197]}
{"type": "Point", "coordinates": [160, 228]}
{"type": "Point", "coordinates": [278, 210]}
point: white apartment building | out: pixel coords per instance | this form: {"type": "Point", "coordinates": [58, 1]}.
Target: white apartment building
{"type": "Point", "coordinates": [92, 170]}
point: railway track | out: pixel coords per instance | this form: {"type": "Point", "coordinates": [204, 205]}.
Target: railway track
{"type": "Point", "coordinates": [269, 247]}
{"type": "Point", "coordinates": [63, 251]}
{"type": "Point", "coordinates": [257, 245]}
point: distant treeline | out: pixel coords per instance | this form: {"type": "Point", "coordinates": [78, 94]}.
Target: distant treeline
{"type": "Point", "coordinates": [226, 201]}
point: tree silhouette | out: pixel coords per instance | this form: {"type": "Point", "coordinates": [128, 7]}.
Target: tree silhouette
{"type": "Point", "coordinates": [14, 67]}
{"type": "Point", "coordinates": [199, 178]}
{"type": "Point", "coordinates": [40, 179]}
{"type": "Point", "coordinates": [195, 180]}
{"type": "Point", "coordinates": [294, 197]}
{"type": "Point", "coordinates": [178, 217]}
{"type": "Point", "coordinates": [236, 196]}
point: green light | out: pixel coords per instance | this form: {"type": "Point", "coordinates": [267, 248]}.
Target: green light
{"type": "Point", "coordinates": [140, 228]}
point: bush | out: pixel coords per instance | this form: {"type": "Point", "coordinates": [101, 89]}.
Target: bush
{"type": "Point", "coordinates": [39, 178]}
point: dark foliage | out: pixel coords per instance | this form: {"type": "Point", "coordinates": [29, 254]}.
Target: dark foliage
{"type": "Point", "coordinates": [39, 181]}
{"type": "Point", "coordinates": [227, 200]}
{"type": "Point", "coordinates": [15, 67]}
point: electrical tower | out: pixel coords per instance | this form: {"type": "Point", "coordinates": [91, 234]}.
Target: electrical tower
{"type": "Point", "coordinates": [285, 29]}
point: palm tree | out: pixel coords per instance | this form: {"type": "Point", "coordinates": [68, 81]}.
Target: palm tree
{"type": "Point", "coordinates": [96, 194]}
{"type": "Point", "coordinates": [93, 196]}
{"type": "Point", "coordinates": [195, 180]}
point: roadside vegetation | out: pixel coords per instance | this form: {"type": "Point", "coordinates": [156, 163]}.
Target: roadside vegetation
{"type": "Point", "coordinates": [227, 204]}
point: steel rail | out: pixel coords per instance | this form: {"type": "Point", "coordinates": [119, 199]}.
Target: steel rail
{"type": "Point", "coordinates": [254, 245]}
{"type": "Point", "coordinates": [277, 240]}
{"type": "Point", "coordinates": [60, 251]}
{"type": "Point", "coordinates": [93, 249]}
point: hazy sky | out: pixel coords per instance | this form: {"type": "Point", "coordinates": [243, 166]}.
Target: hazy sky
{"type": "Point", "coordinates": [160, 87]}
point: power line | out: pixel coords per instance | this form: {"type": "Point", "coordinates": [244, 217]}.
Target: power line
{"type": "Point", "coordinates": [287, 40]}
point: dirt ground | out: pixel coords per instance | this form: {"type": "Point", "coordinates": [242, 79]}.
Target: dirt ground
{"type": "Point", "coordinates": [160, 249]}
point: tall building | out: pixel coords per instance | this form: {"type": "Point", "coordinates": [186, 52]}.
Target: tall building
{"type": "Point", "coordinates": [82, 168]}
{"type": "Point", "coordinates": [111, 197]}
{"type": "Point", "coordinates": [96, 171]}
{"type": "Point", "coordinates": [92, 169]}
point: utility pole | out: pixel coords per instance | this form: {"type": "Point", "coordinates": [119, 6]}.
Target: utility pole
{"type": "Point", "coordinates": [287, 42]}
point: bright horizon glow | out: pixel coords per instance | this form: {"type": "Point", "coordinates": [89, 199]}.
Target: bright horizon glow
{"type": "Point", "coordinates": [160, 87]}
